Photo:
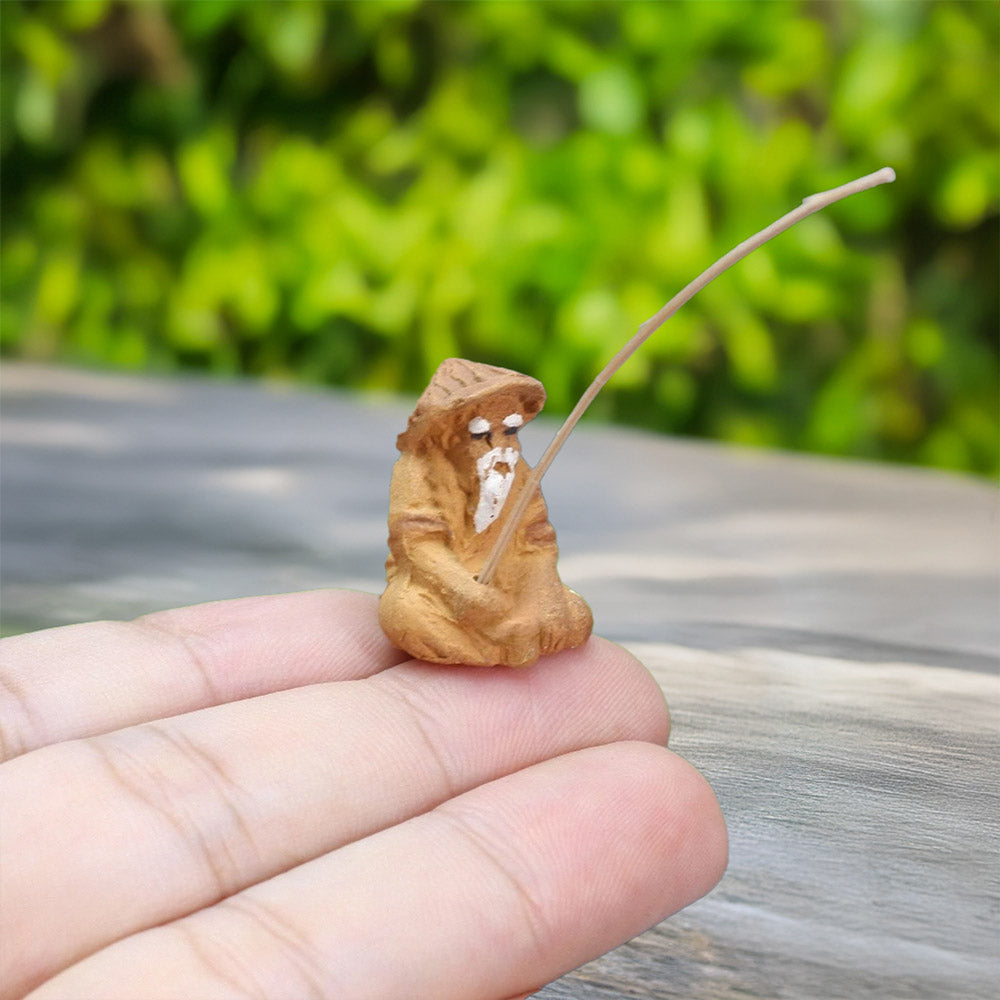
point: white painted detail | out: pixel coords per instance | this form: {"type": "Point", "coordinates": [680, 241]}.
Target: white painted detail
{"type": "Point", "coordinates": [514, 420]}
{"type": "Point", "coordinates": [494, 484]}
{"type": "Point", "coordinates": [479, 425]}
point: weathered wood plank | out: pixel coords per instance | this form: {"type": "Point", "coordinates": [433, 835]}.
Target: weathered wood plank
{"type": "Point", "coordinates": [826, 632]}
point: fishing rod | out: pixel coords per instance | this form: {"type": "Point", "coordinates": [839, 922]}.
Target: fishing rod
{"type": "Point", "coordinates": [813, 203]}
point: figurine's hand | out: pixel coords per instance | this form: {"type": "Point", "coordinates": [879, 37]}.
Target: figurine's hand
{"type": "Point", "coordinates": [488, 601]}
{"type": "Point", "coordinates": [258, 798]}
{"type": "Point", "coordinates": [570, 626]}
{"type": "Point", "coordinates": [438, 572]}
{"type": "Point", "coordinates": [467, 598]}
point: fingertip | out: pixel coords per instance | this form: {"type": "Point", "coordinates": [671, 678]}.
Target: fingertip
{"type": "Point", "coordinates": [606, 841]}
{"type": "Point", "coordinates": [677, 827]}
{"type": "Point", "coordinates": [625, 678]}
{"type": "Point", "coordinates": [702, 826]}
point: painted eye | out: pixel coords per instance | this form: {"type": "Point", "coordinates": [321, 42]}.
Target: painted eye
{"type": "Point", "coordinates": [511, 423]}
{"type": "Point", "coordinates": [479, 428]}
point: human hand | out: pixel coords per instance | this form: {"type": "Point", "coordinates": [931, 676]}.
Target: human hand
{"type": "Point", "coordinates": [263, 798]}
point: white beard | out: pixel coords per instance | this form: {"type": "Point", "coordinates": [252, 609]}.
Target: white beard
{"type": "Point", "coordinates": [494, 485]}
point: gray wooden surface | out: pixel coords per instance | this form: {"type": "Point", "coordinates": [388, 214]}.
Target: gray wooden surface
{"type": "Point", "coordinates": [826, 632]}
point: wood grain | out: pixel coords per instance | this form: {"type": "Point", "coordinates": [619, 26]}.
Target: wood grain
{"type": "Point", "coordinates": [826, 633]}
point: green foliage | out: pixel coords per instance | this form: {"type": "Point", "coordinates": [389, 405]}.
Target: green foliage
{"type": "Point", "coordinates": [349, 192]}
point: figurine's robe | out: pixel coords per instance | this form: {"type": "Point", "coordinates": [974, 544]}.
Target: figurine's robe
{"type": "Point", "coordinates": [434, 608]}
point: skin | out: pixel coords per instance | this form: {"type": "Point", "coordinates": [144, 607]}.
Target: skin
{"type": "Point", "coordinates": [262, 798]}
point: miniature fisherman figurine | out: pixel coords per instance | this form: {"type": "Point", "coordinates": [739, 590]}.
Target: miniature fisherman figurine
{"type": "Point", "coordinates": [460, 467]}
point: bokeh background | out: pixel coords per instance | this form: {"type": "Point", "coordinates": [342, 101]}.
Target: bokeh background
{"type": "Point", "coordinates": [346, 193]}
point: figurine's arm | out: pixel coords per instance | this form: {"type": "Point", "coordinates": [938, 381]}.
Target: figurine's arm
{"type": "Point", "coordinates": [537, 537]}
{"type": "Point", "coordinates": [536, 543]}
{"type": "Point", "coordinates": [421, 545]}
{"type": "Point", "coordinates": [421, 542]}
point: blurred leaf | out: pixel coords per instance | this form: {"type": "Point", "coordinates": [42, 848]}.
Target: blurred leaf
{"type": "Point", "coordinates": [750, 350]}
{"type": "Point", "coordinates": [81, 15]}
{"type": "Point", "coordinates": [591, 318]}
{"type": "Point", "coordinates": [924, 343]}
{"type": "Point", "coordinates": [678, 236]}
{"type": "Point", "coordinates": [968, 191]}
{"type": "Point", "coordinates": [611, 100]}
{"type": "Point", "coordinates": [204, 165]}
{"type": "Point", "coordinates": [44, 50]}
{"type": "Point", "coordinates": [799, 59]}
{"type": "Point", "coordinates": [58, 287]}
{"type": "Point", "coordinates": [294, 33]}
{"type": "Point", "coordinates": [338, 289]}
{"type": "Point", "coordinates": [676, 392]}
{"type": "Point", "coordinates": [349, 192]}
{"type": "Point", "coordinates": [35, 109]}
{"type": "Point", "coordinates": [877, 72]}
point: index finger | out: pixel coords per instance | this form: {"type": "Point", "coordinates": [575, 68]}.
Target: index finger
{"type": "Point", "coordinates": [82, 680]}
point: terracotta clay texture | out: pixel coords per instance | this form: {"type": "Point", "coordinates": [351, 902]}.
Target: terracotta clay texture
{"type": "Point", "coordinates": [460, 466]}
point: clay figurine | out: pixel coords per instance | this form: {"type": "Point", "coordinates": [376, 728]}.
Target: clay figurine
{"type": "Point", "coordinates": [460, 466]}
{"type": "Point", "coordinates": [471, 575]}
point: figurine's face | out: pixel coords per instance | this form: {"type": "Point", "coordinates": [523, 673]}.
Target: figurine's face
{"type": "Point", "coordinates": [491, 424]}
{"type": "Point", "coordinates": [488, 450]}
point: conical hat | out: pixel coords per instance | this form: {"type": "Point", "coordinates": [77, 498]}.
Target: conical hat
{"type": "Point", "coordinates": [458, 382]}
